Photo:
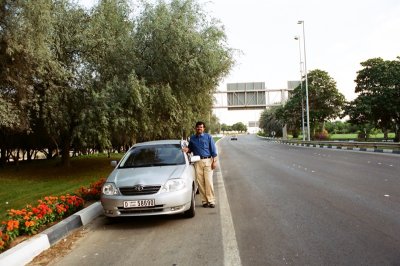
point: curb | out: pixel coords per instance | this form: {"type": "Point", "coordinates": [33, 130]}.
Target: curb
{"type": "Point", "coordinates": [27, 250]}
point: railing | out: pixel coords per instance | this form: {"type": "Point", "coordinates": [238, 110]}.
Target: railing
{"type": "Point", "coordinates": [353, 144]}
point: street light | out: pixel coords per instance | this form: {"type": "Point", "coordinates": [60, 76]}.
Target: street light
{"type": "Point", "coordinates": [297, 38]}
{"type": "Point", "coordinates": [305, 70]}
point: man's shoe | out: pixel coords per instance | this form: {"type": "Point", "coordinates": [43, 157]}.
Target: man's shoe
{"type": "Point", "coordinates": [205, 205]}
{"type": "Point", "coordinates": [211, 205]}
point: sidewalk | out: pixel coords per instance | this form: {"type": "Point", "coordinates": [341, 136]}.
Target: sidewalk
{"type": "Point", "coordinates": [27, 250]}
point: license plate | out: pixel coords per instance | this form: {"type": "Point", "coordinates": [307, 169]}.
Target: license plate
{"type": "Point", "coordinates": [139, 203]}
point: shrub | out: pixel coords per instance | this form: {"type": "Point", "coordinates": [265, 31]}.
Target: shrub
{"type": "Point", "coordinates": [92, 192]}
{"type": "Point", "coordinates": [323, 135]}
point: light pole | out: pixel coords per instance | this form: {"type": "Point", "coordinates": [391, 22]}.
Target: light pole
{"type": "Point", "coordinates": [301, 89]}
{"type": "Point", "coordinates": [305, 70]}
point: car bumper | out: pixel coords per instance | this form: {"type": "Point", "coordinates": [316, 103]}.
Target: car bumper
{"type": "Point", "coordinates": [165, 203]}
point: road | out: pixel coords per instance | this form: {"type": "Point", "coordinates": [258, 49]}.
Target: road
{"type": "Point", "coordinates": [312, 206]}
{"type": "Point", "coordinates": [277, 205]}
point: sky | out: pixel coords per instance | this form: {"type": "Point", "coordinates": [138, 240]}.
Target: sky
{"type": "Point", "coordinates": [339, 35]}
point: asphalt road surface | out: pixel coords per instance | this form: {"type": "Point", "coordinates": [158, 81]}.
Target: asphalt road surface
{"type": "Point", "coordinates": [276, 205]}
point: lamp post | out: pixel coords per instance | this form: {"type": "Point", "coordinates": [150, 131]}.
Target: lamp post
{"type": "Point", "coordinates": [305, 70]}
{"type": "Point", "coordinates": [297, 38]}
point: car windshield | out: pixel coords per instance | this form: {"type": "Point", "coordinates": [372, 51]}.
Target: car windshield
{"type": "Point", "coordinates": [154, 155]}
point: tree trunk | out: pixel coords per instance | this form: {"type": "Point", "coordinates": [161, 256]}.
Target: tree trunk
{"type": "Point", "coordinates": [3, 158]}
{"type": "Point", "coordinates": [65, 159]}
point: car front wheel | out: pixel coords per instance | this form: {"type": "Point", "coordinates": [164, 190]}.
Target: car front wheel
{"type": "Point", "coordinates": [192, 211]}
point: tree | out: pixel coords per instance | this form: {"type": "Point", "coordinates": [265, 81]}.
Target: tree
{"type": "Point", "coordinates": [378, 102]}
{"type": "Point", "coordinates": [178, 47]}
{"type": "Point", "coordinates": [271, 122]}
{"type": "Point", "coordinates": [213, 125]}
{"type": "Point", "coordinates": [25, 62]}
{"type": "Point", "coordinates": [76, 79]}
{"type": "Point", "coordinates": [66, 97]}
{"type": "Point", "coordinates": [115, 112]}
{"type": "Point", "coordinates": [225, 127]}
{"type": "Point", "coordinates": [325, 102]}
{"type": "Point", "coordinates": [239, 126]}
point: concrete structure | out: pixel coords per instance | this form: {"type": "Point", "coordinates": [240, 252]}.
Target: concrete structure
{"type": "Point", "coordinates": [244, 102]}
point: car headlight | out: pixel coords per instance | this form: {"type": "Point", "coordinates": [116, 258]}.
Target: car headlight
{"type": "Point", "coordinates": [173, 185]}
{"type": "Point", "coordinates": [109, 189]}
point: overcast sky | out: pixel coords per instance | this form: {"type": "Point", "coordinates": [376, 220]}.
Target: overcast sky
{"type": "Point", "coordinates": [339, 35]}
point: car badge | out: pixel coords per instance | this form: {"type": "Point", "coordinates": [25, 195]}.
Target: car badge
{"type": "Point", "coordinates": [138, 188]}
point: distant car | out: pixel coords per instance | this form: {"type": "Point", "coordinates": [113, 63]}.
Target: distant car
{"type": "Point", "coordinates": [234, 138]}
{"type": "Point", "coordinates": [152, 178]}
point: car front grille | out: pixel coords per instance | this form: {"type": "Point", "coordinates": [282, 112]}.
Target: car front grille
{"type": "Point", "coordinates": [145, 190]}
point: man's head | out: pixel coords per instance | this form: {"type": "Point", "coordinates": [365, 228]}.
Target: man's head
{"type": "Point", "coordinates": [200, 127]}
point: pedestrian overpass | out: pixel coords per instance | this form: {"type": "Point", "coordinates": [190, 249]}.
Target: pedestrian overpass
{"type": "Point", "coordinates": [248, 100]}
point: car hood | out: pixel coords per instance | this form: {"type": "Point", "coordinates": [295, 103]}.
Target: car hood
{"type": "Point", "coordinates": [156, 175]}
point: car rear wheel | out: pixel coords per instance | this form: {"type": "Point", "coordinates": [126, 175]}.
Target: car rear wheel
{"type": "Point", "coordinates": [191, 212]}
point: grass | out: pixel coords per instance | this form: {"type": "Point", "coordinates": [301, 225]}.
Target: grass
{"type": "Point", "coordinates": [31, 181]}
{"type": "Point", "coordinates": [216, 139]}
{"type": "Point", "coordinates": [343, 136]}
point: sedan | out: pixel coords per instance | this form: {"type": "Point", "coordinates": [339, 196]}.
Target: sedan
{"type": "Point", "coordinates": [152, 178]}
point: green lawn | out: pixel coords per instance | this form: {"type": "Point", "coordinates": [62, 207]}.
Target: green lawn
{"type": "Point", "coordinates": [31, 181]}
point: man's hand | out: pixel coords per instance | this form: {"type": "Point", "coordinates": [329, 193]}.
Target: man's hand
{"type": "Point", "coordinates": [185, 149]}
{"type": "Point", "coordinates": [213, 165]}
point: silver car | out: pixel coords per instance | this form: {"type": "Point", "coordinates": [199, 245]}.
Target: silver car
{"type": "Point", "coordinates": [152, 178]}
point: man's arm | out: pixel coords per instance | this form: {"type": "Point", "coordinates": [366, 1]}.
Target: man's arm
{"type": "Point", "coordinates": [213, 151]}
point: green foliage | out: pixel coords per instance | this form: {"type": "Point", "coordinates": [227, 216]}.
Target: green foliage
{"type": "Point", "coordinates": [325, 102]}
{"type": "Point", "coordinates": [176, 45]}
{"type": "Point", "coordinates": [239, 126]}
{"type": "Point", "coordinates": [378, 102]}
{"type": "Point", "coordinates": [225, 127]}
{"type": "Point", "coordinates": [271, 121]}
{"type": "Point", "coordinates": [340, 127]}
{"type": "Point", "coordinates": [105, 78]}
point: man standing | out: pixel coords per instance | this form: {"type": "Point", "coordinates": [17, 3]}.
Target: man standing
{"type": "Point", "coordinates": [202, 144]}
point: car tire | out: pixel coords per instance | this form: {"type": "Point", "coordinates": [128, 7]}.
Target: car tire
{"type": "Point", "coordinates": [192, 210]}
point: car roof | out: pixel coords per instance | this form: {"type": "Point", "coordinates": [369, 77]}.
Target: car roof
{"type": "Point", "coordinates": [158, 142]}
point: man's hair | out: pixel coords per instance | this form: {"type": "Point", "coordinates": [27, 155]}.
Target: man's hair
{"type": "Point", "coordinates": [199, 123]}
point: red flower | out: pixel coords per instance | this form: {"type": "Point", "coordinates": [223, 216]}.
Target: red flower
{"type": "Point", "coordinates": [12, 224]}
{"type": "Point", "coordinates": [29, 223]}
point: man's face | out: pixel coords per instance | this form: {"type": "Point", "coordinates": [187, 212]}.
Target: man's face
{"type": "Point", "coordinates": [200, 129]}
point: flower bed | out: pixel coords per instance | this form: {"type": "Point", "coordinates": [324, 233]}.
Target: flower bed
{"type": "Point", "coordinates": [30, 220]}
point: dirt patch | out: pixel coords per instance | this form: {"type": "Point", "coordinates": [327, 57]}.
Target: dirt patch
{"type": "Point", "coordinates": [58, 250]}
{"type": "Point", "coordinates": [18, 240]}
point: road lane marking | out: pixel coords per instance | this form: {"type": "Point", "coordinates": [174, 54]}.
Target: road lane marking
{"type": "Point", "coordinates": [230, 247]}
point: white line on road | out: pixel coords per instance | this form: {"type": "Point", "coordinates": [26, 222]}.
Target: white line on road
{"type": "Point", "coordinates": [230, 247]}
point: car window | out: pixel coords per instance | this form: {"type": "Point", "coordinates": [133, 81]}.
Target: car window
{"type": "Point", "coordinates": [155, 155]}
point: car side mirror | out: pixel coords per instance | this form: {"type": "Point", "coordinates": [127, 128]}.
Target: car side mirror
{"type": "Point", "coordinates": [114, 163]}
